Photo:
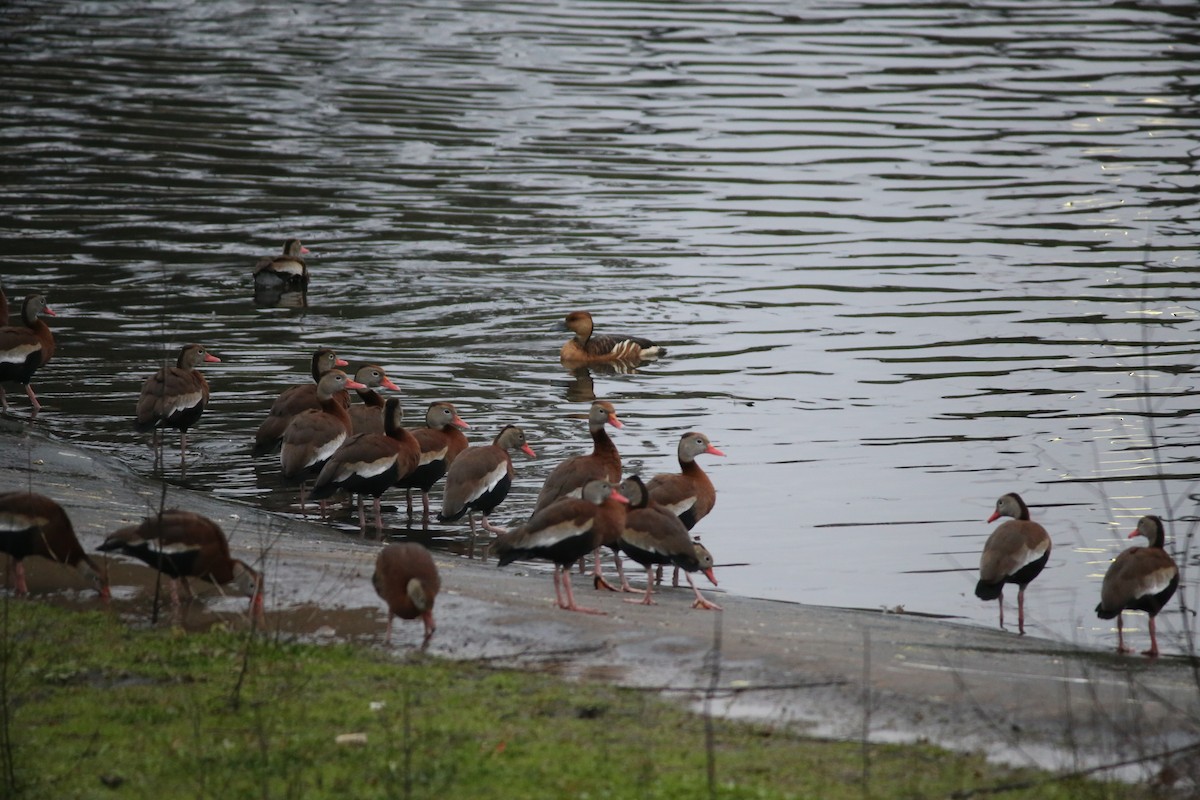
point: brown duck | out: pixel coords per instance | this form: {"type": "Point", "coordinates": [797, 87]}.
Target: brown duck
{"type": "Point", "coordinates": [1016, 552]}
{"type": "Point", "coordinates": [588, 347]}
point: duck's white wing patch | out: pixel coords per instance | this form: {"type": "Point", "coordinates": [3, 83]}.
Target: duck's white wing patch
{"type": "Point", "coordinates": [12, 522]}
{"type": "Point", "coordinates": [366, 469]}
{"type": "Point", "coordinates": [428, 457]}
{"type": "Point", "coordinates": [680, 507]}
{"type": "Point", "coordinates": [323, 452]}
{"type": "Point", "coordinates": [489, 481]}
{"type": "Point", "coordinates": [18, 354]}
{"type": "Point", "coordinates": [182, 403]}
{"type": "Point", "coordinates": [1157, 581]}
{"type": "Point", "coordinates": [561, 531]}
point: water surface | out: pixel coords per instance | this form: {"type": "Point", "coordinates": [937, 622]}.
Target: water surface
{"type": "Point", "coordinates": [905, 257]}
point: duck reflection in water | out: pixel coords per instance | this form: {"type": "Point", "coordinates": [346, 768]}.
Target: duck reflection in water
{"type": "Point", "coordinates": [582, 385]}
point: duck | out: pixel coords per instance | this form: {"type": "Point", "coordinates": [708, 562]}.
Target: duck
{"type": "Point", "coordinates": [652, 535]}
{"type": "Point", "coordinates": [175, 397]}
{"type": "Point", "coordinates": [604, 462]}
{"type": "Point", "coordinates": [688, 494]}
{"type": "Point", "coordinates": [286, 271]}
{"type": "Point", "coordinates": [479, 480]}
{"type": "Point", "coordinates": [588, 347]}
{"type": "Point", "coordinates": [563, 532]}
{"type": "Point", "coordinates": [183, 544]}
{"type": "Point", "coordinates": [406, 578]}
{"type": "Point", "coordinates": [371, 463]}
{"type": "Point", "coordinates": [25, 348]}
{"type": "Point", "coordinates": [33, 524]}
{"type": "Point", "coordinates": [1140, 579]}
{"type": "Point", "coordinates": [315, 434]}
{"type": "Point", "coordinates": [367, 416]}
{"type": "Point", "coordinates": [293, 400]}
{"type": "Point", "coordinates": [441, 440]}
{"type": "Point", "coordinates": [1016, 552]}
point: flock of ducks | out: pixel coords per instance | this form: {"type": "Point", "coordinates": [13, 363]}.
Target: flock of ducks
{"type": "Point", "coordinates": [1139, 579]}
{"type": "Point", "coordinates": [328, 445]}
{"type": "Point", "coordinates": [363, 449]}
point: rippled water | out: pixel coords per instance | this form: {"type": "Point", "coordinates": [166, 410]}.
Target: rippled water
{"type": "Point", "coordinates": [906, 256]}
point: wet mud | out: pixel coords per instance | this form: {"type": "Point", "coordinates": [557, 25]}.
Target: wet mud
{"type": "Point", "coordinates": [831, 672]}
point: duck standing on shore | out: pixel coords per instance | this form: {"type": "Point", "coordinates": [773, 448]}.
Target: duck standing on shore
{"type": "Point", "coordinates": [479, 480]}
{"type": "Point", "coordinates": [563, 532]}
{"type": "Point", "coordinates": [1016, 552]}
{"type": "Point", "coordinates": [407, 580]}
{"type": "Point", "coordinates": [1140, 579]}
{"type": "Point", "coordinates": [688, 494]}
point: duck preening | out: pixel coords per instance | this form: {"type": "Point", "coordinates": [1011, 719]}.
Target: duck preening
{"type": "Point", "coordinates": [407, 580]}
{"type": "Point", "coordinates": [1140, 579]}
{"type": "Point", "coordinates": [1016, 552]}
{"type": "Point", "coordinates": [588, 347]}
{"type": "Point", "coordinates": [182, 545]}
{"type": "Point", "coordinates": [175, 397]}
{"type": "Point", "coordinates": [25, 348]}
{"type": "Point", "coordinates": [34, 525]}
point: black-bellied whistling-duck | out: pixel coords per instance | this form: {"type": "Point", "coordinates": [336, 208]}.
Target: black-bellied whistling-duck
{"type": "Point", "coordinates": [175, 397]}
{"type": "Point", "coordinates": [34, 525]}
{"type": "Point", "coordinates": [653, 535]}
{"type": "Point", "coordinates": [407, 580]}
{"type": "Point", "coordinates": [1016, 552]}
{"type": "Point", "coordinates": [182, 545]}
{"type": "Point", "coordinates": [286, 271]}
{"type": "Point", "coordinates": [479, 480]}
{"type": "Point", "coordinates": [603, 463]}
{"type": "Point", "coordinates": [293, 400]}
{"type": "Point", "coordinates": [1140, 579]}
{"type": "Point", "coordinates": [688, 494]}
{"type": "Point", "coordinates": [441, 441]}
{"type": "Point", "coordinates": [314, 435]}
{"type": "Point", "coordinates": [371, 463]}
{"type": "Point", "coordinates": [367, 416]}
{"type": "Point", "coordinates": [564, 532]}
{"type": "Point", "coordinates": [588, 347]}
{"type": "Point", "coordinates": [26, 347]}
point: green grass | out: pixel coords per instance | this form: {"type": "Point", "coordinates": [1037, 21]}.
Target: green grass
{"type": "Point", "coordinates": [99, 710]}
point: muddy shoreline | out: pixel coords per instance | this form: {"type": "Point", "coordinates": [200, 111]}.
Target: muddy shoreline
{"type": "Point", "coordinates": [833, 672]}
